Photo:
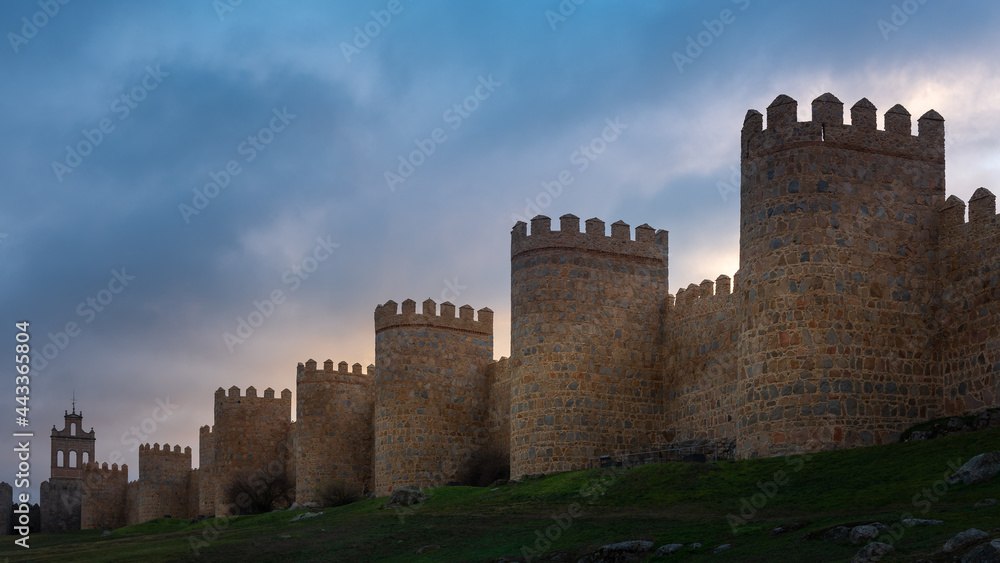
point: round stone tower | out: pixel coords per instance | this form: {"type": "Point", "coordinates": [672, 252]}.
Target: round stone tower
{"type": "Point", "coordinates": [430, 392]}
{"type": "Point", "coordinates": [585, 322]}
{"type": "Point", "coordinates": [837, 248]}
{"type": "Point", "coordinates": [333, 429]}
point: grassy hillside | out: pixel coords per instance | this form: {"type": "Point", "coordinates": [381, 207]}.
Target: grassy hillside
{"type": "Point", "coordinates": [664, 503]}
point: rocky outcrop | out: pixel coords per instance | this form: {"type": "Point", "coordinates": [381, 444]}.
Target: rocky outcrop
{"type": "Point", "coordinates": [863, 534]}
{"type": "Point", "coordinates": [620, 552]}
{"type": "Point", "coordinates": [405, 496]}
{"type": "Point", "coordinates": [955, 425]}
{"type": "Point", "coordinates": [964, 539]}
{"type": "Point", "coordinates": [872, 552]}
{"type": "Point", "coordinates": [979, 469]}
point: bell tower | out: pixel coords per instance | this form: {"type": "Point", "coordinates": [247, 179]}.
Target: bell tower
{"type": "Point", "coordinates": [71, 447]}
{"type": "Point", "coordinates": [62, 494]}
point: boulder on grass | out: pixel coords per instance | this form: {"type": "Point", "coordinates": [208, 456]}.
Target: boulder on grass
{"type": "Point", "coordinates": [405, 496]}
{"type": "Point", "coordinates": [986, 553]}
{"type": "Point", "coordinates": [979, 469]}
{"type": "Point", "coordinates": [837, 534]}
{"type": "Point", "coordinates": [909, 522]}
{"type": "Point", "coordinates": [620, 552]}
{"type": "Point", "coordinates": [965, 539]}
{"type": "Point", "coordinates": [863, 534]}
{"type": "Point", "coordinates": [872, 552]}
{"type": "Point", "coordinates": [668, 549]}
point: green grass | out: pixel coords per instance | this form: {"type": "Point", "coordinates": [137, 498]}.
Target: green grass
{"type": "Point", "coordinates": [664, 503]}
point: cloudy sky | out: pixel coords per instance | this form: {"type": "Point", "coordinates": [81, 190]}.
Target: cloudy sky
{"type": "Point", "coordinates": [168, 167]}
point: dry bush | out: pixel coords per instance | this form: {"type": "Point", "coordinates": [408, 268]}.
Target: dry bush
{"type": "Point", "coordinates": [340, 492]}
{"type": "Point", "coordinates": [254, 492]}
{"type": "Point", "coordinates": [485, 466]}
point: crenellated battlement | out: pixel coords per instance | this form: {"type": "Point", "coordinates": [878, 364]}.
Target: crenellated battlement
{"type": "Point", "coordinates": [309, 371]}
{"type": "Point", "coordinates": [648, 243]}
{"type": "Point", "coordinates": [233, 396]}
{"type": "Point", "coordinates": [497, 368]}
{"type": "Point", "coordinates": [157, 464]}
{"type": "Point", "coordinates": [982, 213]}
{"type": "Point", "coordinates": [103, 498]}
{"type": "Point", "coordinates": [827, 128]}
{"type": "Point", "coordinates": [155, 449]}
{"type": "Point", "coordinates": [707, 293]}
{"type": "Point", "coordinates": [389, 316]}
{"type": "Point", "coordinates": [92, 467]}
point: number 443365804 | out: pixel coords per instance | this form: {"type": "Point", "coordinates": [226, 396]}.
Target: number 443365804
{"type": "Point", "coordinates": [22, 381]}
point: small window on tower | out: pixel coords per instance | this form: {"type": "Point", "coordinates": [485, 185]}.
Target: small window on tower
{"type": "Point", "coordinates": [60, 462]}
{"type": "Point", "coordinates": [72, 459]}
{"type": "Point", "coordinates": [72, 429]}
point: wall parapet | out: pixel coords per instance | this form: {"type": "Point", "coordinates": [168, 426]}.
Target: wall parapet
{"type": "Point", "coordinates": [982, 212]}
{"type": "Point", "coordinates": [166, 453]}
{"type": "Point", "coordinates": [705, 292]}
{"type": "Point", "coordinates": [827, 128]}
{"type": "Point", "coordinates": [389, 316]}
{"type": "Point", "coordinates": [311, 371]}
{"type": "Point", "coordinates": [648, 243]}
{"type": "Point", "coordinates": [233, 394]}
{"type": "Point", "coordinates": [103, 468]}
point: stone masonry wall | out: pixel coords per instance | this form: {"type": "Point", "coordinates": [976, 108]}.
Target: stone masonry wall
{"type": "Point", "coordinates": [60, 504]}
{"type": "Point", "coordinates": [164, 476]}
{"type": "Point", "coordinates": [334, 427]}
{"type": "Point", "coordinates": [251, 434]}
{"type": "Point", "coordinates": [585, 326]}
{"type": "Point", "coordinates": [970, 304]}
{"type": "Point", "coordinates": [430, 392]}
{"type": "Point", "coordinates": [206, 470]}
{"type": "Point", "coordinates": [103, 496]}
{"type": "Point", "coordinates": [498, 405]}
{"type": "Point", "coordinates": [700, 348]}
{"type": "Point", "coordinates": [837, 276]}
{"type": "Point", "coordinates": [194, 493]}
{"type": "Point", "coordinates": [133, 497]}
